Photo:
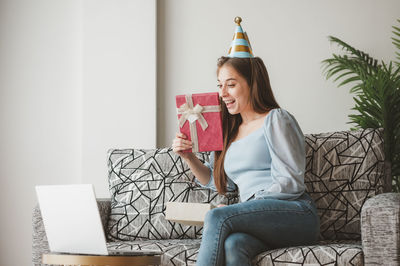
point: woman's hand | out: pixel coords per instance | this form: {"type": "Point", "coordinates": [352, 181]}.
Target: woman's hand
{"type": "Point", "coordinates": [200, 171]}
{"type": "Point", "coordinates": [180, 143]}
{"type": "Point", "coordinates": [220, 205]}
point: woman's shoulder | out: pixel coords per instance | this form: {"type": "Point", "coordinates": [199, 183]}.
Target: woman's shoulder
{"type": "Point", "coordinates": [277, 113]}
{"type": "Point", "coordinates": [281, 122]}
{"type": "Point", "coordinates": [278, 117]}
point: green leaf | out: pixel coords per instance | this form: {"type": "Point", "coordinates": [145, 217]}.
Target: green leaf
{"type": "Point", "coordinates": [376, 89]}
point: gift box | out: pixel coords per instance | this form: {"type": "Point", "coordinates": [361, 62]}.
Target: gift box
{"type": "Point", "coordinates": [199, 117]}
{"type": "Point", "coordinates": [187, 213]}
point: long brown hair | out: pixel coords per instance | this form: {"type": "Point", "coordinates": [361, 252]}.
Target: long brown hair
{"type": "Point", "coordinates": [262, 100]}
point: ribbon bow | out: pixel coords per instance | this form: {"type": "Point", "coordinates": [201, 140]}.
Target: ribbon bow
{"type": "Point", "coordinates": [192, 114]}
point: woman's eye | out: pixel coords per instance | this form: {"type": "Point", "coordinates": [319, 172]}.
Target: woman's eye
{"type": "Point", "coordinates": [231, 85]}
{"type": "Point", "coordinates": [219, 86]}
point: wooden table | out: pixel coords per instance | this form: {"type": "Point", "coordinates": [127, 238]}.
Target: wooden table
{"type": "Point", "coordinates": [112, 260]}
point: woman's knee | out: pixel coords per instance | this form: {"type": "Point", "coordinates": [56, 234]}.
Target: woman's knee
{"type": "Point", "coordinates": [235, 241]}
{"type": "Point", "coordinates": [236, 252]}
{"type": "Point", "coordinates": [215, 216]}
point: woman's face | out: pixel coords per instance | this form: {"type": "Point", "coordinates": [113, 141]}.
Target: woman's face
{"type": "Point", "coordinates": [234, 90]}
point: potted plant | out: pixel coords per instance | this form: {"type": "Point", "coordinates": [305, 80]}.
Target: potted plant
{"type": "Point", "coordinates": [376, 89]}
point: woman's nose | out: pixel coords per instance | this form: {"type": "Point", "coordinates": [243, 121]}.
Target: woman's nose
{"type": "Point", "coordinates": [222, 91]}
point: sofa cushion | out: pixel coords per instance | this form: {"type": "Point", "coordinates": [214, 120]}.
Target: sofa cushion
{"type": "Point", "coordinates": [179, 252]}
{"type": "Point", "coordinates": [343, 170]}
{"type": "Point", "coordinates": [339, 252]}
{"type": "Point", "coordinates": [141, 182]}
{"type": "Point", "coordinates": [175, 251]}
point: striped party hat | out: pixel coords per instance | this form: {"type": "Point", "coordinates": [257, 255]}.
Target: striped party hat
{"type": "Point", "coordinates": [240, 46]}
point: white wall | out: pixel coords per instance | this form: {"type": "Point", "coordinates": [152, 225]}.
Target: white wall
{"type": "Point", "coordinates": [289, 35]}
{"type": "Point", "coordinates": [76, 78]}
{"type": "Point", "coordinates": [119, 81]}
{"type": "Point", "coordinates": [39, 112]}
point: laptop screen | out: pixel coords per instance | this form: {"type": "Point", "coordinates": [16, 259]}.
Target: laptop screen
{"type": "Point", "coordinates": [71, 219]}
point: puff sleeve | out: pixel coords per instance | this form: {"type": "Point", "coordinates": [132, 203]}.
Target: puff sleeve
{"type": "Point", "coordinates": [286, 145]}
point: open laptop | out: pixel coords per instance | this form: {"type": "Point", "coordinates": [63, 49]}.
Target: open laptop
{"type": "Point", "coordinates": [72, 221]}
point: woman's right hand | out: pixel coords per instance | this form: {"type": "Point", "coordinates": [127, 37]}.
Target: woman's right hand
{"type": "Point", "coordinates": [199, 170]}
{"type": "Point", "coordinates": [181, 143]}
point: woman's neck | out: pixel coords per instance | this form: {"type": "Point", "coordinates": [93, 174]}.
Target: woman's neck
{"type": "Point", "coordinates": [248, 117]}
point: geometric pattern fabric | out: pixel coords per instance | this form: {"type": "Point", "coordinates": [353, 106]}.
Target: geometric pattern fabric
{"type": "Point", "coordinates": [141, 182]}
{"type": "Point", "coordinates": [174, 251]}
{"type": "Point", "coordinates": [343, 170]}
{"type": "Point", "coordinates": [340, 252]}
{"type": "Point", "coordinates": [184, 252]}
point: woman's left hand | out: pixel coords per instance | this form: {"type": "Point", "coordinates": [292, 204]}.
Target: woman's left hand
{"type": "Point", "coordinates": [220, 205]}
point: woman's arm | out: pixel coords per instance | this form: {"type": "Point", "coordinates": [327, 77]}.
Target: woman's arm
{"type": "Point", "coordinates": [286, 144]}
{"type": "Point", "coordinates": [200, 171]}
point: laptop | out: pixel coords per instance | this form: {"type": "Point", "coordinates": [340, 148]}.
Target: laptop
{"type": "Point", "coordinates": [72, 221]}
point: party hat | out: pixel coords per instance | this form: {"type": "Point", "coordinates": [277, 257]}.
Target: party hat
{"type": "Point", "coordinates": [240, 46]}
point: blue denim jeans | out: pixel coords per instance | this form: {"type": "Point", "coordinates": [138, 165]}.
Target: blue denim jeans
{"type": "Point", "coordinates": [235, 234]}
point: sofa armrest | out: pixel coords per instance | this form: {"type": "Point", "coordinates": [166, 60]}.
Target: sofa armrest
{"type": "Point", "coordinates": [380, 231]}
{"type": "Point", "coordinates": [39, 239]}
{"type": "Point", "coordinates": [104, 206]}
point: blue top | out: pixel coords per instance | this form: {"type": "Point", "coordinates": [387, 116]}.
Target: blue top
{"type": "Point", "coordinates": [269, 162]}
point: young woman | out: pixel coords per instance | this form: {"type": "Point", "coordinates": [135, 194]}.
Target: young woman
{"type": "Point", "coordinates": [264, 155]}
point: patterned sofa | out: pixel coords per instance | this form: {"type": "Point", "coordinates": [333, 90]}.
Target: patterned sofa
{"type": "Point", "coordinates": [346, 175]}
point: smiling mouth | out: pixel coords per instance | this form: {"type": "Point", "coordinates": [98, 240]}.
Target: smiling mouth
{"type": "Point", "coordinates": [229, 103]}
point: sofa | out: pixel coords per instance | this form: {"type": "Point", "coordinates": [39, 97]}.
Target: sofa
{"type": "Point", "coordinates": [346, 175]}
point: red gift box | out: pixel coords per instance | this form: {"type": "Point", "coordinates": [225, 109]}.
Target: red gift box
{"type": "Point", "coordinates": [199, 117]}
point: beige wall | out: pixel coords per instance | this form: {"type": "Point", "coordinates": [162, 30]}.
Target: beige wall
{"type": "Point", "coordinates": [289, 35]}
